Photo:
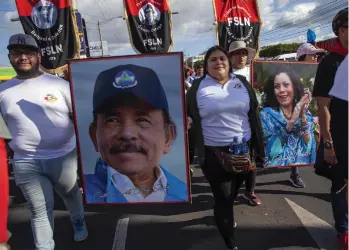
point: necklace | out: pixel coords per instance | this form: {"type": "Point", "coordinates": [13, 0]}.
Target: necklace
{"type": "Point", "coordinates": [287, 117]}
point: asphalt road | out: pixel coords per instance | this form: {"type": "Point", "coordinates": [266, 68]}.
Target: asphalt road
{"type": "Point", "coordinates": [289, 218]}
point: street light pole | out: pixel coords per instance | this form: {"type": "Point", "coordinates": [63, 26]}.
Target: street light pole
{"type": "Point", "coordinates": [99, 24]}
{"type": "Point", "coordinates": [100, 37]}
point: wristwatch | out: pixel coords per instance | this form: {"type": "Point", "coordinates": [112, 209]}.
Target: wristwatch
{"type": "Point", "coordinates": [328, 144]}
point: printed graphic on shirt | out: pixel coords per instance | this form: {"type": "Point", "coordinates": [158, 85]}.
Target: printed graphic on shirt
{"type": "Point", "coordinates": [50, 98]}
{"type": "Point", "coordinates": [237, 86]}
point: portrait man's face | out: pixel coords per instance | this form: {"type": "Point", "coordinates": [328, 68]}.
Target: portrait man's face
{"type": "Point", "coordinates": [45, 12]}
{"type": "Point", "coordinates": [149, 15]}
{"type": "Point", "coordinates": [131, 137]}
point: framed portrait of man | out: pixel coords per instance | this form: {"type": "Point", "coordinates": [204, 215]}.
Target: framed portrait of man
{"type": "Point", "coordinates": [131, 128]}
{"type": "Point", "coordinates": [288, 112]}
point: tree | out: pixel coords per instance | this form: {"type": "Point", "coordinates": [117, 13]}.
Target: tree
{"type": "Point", "coordinates": [279, 49]}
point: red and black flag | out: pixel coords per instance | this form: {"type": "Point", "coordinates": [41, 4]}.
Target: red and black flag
{"type": "Point", "coordinates": [237, 20]}
{"type": "Point", "coordinates": [150, 25]}
{"type": "Point", "coordinates": [53, 25]}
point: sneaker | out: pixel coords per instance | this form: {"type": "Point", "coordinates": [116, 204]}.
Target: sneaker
{"type": "Point", "coordinates": [4, 246]}
{"type": "Point", "coordinates": [252, 198]}
{"type": "Point", "coordinates": [80, 230]}
{"type": "Point", "coordinates": [297, 181]}
{"type": "Point", "coordinates": [235, 224]}
{"type": "Point", "coordinates": [343, 241]}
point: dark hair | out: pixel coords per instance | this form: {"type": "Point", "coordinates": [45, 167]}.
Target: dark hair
{"type": "Point", "coordinates": [302, 58]}
{"type": "Point", "coordinates": [208, 54]}
{"type": "Point", "coordinates": [269, 98]}
{"type": "Point", "coordinates": [131, 100]}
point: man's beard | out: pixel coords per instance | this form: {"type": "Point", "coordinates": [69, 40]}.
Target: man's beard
{"type": "Point", "coordinates": [26, 73]}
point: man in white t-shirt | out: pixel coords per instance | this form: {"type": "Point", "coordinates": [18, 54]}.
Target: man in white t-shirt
{"type": "Point", "coordinates": [240, 56]}
{"type": "Point", "coordinates": [37, 109]}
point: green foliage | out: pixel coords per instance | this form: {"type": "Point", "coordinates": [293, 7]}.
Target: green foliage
{"type": "Point", "coordinates": [279, 49]}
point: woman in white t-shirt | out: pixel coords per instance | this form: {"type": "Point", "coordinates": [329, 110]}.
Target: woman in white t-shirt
{"type": "Point", "coordinates": [222, 110]}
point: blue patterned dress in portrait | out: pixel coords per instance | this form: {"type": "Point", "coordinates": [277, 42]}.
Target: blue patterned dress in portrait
{"type": "Point", "coordinates": [285, 148]}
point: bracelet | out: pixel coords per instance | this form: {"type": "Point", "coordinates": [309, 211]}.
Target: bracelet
{"type": "Point", "coordinates": [304, 132]}
{"type": "Point", "coordinates": [303, 123]}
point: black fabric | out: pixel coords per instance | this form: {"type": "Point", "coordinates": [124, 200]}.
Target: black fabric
{"type": "Point", "coordinates": [58, 43]}
{"type": "Point", "coordinates": [225, 188]}
{"type": "Point", "coordinates": [325, 74]}
{"type": "Point", "coordinates": [250, 181]}
{"type": "Point", "coordinates": [228, 33]}
{"type": "Point", "coordinates": [195, 136]}
{"type": "Point", "coordinates": [339, 133]}
{"type": "Point", "coordinates": [324, 81]}
{"type": "Point", "coordinates": [148, 39]}
{"type": "Point", "coordinates": [321, 167]}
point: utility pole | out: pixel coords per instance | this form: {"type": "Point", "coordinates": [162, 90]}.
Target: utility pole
{"type": "Point", "coordinates": [100, 37]}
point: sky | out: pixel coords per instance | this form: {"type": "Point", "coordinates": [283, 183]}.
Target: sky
{"type": "Point", "coordinates": [284, 21]}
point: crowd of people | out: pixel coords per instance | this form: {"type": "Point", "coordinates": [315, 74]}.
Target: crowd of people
{"type": "Point", "coordinates": [225, 121]}
{"type": "Point", "coordinates": [221, 106]}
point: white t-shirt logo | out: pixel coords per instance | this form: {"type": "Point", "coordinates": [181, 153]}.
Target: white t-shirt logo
{"type": "Point", "coordinates": [50, 98]}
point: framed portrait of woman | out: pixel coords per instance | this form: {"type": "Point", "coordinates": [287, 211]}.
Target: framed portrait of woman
{"type": "Point", "coordinates": [287, 110]}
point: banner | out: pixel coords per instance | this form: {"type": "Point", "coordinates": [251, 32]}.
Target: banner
{"type": "Point", "coordinates": [81, 34]}
{"type": "Point", "coordinates": [150, 25]}
{"type": "Point", "coordinates": [288, 112]}
{"type": "Point", "coordinates": [327, 44]}
{"type": "Point", "coordinates": [237, 20]}
{"type": "Point", "coordinates": [53, 25]}
{"type": "Point", "coordinates": [144, 93]}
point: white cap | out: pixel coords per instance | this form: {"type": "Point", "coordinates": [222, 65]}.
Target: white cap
{"type": "Point", "coordinates": [308, 49]}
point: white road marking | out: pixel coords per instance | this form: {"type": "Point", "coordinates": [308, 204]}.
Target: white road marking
{"type": "Point", "coordinates": [323, 233]}
{"type": "Point", "coordinates": [119, 242]}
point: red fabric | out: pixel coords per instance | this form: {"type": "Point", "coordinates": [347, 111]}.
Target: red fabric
{"type": "Point", "coordinates": [339, 49]}
{"type": "Point", "coordinates": [343, 241]}
{"type": "Point", "coordinates": [133, 6]}
{"type": "Point", "coordinates": [25, 7]}
{"type": "Point", "coordinates": [4, 192]}
{"type": "Point", "coordinates": [239, 10]}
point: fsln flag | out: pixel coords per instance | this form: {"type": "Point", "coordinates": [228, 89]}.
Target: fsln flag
{"type": "Point", "coordinates": [53, 25]}
{"type": "Point", "coordinates": [150, 25]}
{"type": "Point", "coordinates": [237, 20]}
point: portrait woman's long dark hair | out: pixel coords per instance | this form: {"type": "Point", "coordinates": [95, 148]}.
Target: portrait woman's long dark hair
{"type": "Point", "coordinates": [269, 98]}
{"type": "Point", "coordinates": [208, 54]}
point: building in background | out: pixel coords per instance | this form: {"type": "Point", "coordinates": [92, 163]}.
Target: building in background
{"type": "Point", "coordinates": [96, 49]}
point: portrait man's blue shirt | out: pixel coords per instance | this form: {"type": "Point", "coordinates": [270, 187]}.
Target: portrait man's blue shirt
{"type": "Point", "coordinates": [100, 188]}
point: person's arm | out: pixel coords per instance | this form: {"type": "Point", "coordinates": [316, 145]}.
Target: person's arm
{"type": "Point", "coordinates": [68, 99]}
{"type": "Point", "coordinates": [323, 83]}
{"type": "Point", "coordinates": [323, 104]}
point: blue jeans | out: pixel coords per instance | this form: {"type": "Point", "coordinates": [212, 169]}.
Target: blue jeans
{"type": "Point", "coordinates": [339, 205]}
{"type": "Point", "coordinates": [36, 179]}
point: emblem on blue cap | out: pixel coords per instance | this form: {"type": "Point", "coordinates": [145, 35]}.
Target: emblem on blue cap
{"type": "Point", "coordinates": [124, 79]}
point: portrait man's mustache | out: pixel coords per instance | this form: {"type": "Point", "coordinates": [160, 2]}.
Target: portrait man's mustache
{"type": "Point", "coordinates": [127, 148]}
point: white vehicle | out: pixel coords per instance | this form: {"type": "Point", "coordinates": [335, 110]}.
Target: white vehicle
{"type": "Point", "coordinates": [286, 57]}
